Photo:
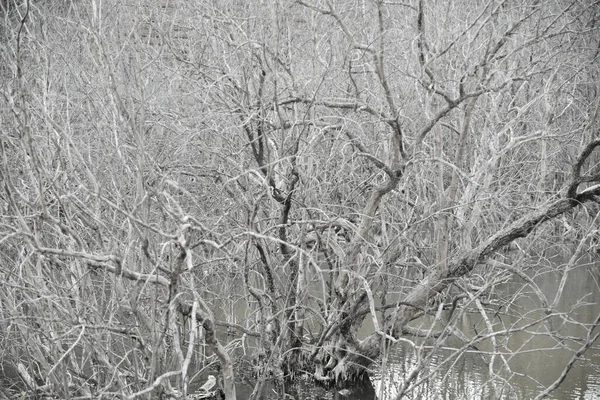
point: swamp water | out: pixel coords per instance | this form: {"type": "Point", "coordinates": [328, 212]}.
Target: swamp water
{"type": "Point", "coordinates": [533, 363]}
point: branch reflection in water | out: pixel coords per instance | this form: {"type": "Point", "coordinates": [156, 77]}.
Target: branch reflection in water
{"type": "Point", "coordinates": [519, 366]}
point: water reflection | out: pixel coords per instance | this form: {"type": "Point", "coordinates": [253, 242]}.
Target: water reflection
{"type": "Point", "coordinates": [523, 363]}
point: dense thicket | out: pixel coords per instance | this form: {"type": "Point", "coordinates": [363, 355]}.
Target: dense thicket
{"type": "Point", "coordinates": [318, 164]}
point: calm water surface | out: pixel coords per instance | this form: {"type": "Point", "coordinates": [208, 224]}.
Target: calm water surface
{"type": "Point", "coordinates": [526, 363]}
{"type": "Point", "coordinates": [539, 360]}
